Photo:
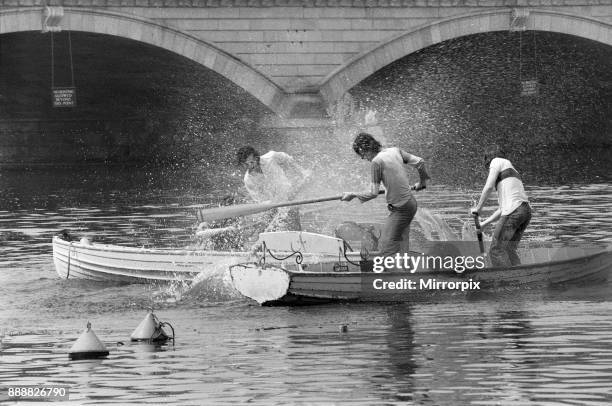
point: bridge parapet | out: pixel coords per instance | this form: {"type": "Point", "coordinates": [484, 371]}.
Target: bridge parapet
{"type": "Point", "coordinates": [299, 56]}
{"type": "Point", "coordinates": [368, 4]}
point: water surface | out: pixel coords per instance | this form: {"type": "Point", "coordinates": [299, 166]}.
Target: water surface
{"type": "Point", "coordinates": [506, 347]}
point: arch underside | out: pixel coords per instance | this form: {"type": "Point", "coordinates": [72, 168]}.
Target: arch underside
{"type": "Point", "coordinates": [346, 77]}
{"type": "Point", "coordinates": [338, 82]}
{"type": "Point", "coordinates": [147, 31]}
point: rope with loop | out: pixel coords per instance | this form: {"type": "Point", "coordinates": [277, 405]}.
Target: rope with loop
{"type": "Point", "coordinates": [53, 61]}
{"type": "Point", "coordinates": [535, 54]}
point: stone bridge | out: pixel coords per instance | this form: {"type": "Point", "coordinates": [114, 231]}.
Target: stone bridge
{"type": "Point", "coordinates": [298, 57]}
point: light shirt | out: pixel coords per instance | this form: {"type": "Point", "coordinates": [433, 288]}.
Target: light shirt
{"type": "Point", "coordinates": [389, 167]}
{"type": "Point", "coordinates": [510, 191]}
{"type": "Point", "coordinates": [272, 183]}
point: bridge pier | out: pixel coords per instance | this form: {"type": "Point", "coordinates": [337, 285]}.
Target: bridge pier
{"type": "Point", "coordinates": [303, 106]}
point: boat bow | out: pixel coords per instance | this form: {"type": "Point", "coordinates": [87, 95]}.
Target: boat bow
{"type": "Point", "coordinates": [262, 284]}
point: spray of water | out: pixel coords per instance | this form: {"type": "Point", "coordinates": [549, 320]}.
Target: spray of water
{"type": "Point", "coordinates": [434, 226]}
{"type": "Point", "coordinates": [213, 284]}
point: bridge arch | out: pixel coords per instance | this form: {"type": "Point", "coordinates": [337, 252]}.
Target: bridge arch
{"type": "Point", "coordinates": [341, 80]}
{"type": "Point", "coordinates": [147, 31]}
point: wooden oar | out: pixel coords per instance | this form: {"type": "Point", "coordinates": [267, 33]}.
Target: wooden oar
{"type": "Point", "coordinates": [223, 212]}
{"type": "Point", "coordinates": [479, 233]}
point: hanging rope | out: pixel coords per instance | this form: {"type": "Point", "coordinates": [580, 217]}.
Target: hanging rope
{"type": "Point", "coordinates": [53, 61]}
{"type": "Point", "coordinates": [63, 96]}
{"type": "Point", "coordinates": [52, 64]}
{"type": "Point", "coordinates": [529, 86]}
{"type": "Point", "coordinates": [72, 66]}
{"type": "Point", "coordinates": [521, 56]}
{"type": "Point", "coordinates": [535, 55]}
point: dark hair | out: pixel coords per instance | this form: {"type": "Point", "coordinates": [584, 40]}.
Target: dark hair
{"type": "Point", "coordinates": [365, 142]}
{"type": "Point", "coordinates": [493, 151]}
{"type": "Point", "coordinates": [65, 235]}
{"type": "Point", "coordinates": [244, 152]}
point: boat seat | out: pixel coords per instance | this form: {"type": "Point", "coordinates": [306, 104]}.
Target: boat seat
{"type": "Point", "coordinates": [302, 241]}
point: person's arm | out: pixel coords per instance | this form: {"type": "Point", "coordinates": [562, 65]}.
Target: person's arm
{"type": "Point", "coordinates": [419, 164]}
{"type": "Point", "coordinates": [288, 163]}
{"type": "Point", "coordinates": [364, 196]}
{"type": "Point", "coordinates": [254, 191]}
{"type": "Point", "coordinates": [487, 189]}
{"type": "Point", "coordinates": [370, 194]}
{"type": "Point", "coordinates": [493, 217]}
{"type": "Point", "coordinates": [294, 172]}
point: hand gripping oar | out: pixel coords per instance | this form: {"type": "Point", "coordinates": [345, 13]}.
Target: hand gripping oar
{"type": "Point", "coordinates": [478, 233]}
{"type": "Point", "coordinates": [223, 212]}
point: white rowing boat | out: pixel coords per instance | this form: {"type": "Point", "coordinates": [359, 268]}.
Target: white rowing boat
{"type": "Point", "coordinates": [104, 262]}
{"type": "Point", "coordinates": [345, 280]}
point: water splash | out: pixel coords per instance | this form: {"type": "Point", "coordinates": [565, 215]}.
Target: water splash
{"type": "Point", "coordinates": [213, 284]}
{"type": "Point", "coordinates": [434, 226]}
{"type": "Point", "coordinates": [168, 293]}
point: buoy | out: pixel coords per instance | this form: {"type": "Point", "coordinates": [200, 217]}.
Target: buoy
{"type": "Point", "coordinates": [88, 346]}
{"type": "Point", "coordinates": [151, 329]}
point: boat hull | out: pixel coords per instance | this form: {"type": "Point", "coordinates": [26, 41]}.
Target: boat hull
{"type": "Point", "coordinates": [112, 263]}
{"type": "Point", "coordinates": [101, 262]}
{"type": "Point", "coordinates": [355, 286]}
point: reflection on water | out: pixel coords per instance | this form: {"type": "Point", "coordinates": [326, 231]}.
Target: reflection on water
{"type": "Point", "coordinates": [524, 347]}
{"type": "Point", "coordinates": [445, 354]}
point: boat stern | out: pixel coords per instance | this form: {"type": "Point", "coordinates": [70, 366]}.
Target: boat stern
{"type": "Point", "coordinates": [262, 284]}
{"type": "Point", "coordinates": [61, 249]}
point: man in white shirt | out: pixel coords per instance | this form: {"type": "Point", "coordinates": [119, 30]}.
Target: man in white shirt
{"type": "Point", "coordinates": [514, 212]}
{"type": "Point", "coordinates": [273, 177]}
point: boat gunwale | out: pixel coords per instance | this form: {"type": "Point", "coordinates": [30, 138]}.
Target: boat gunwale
{"type": "Point", "coordinates": [589, 257]}
{"type": "Point", "coordinates": [136, 250]}
{"type": "Point", "coordinates": [110, 248]}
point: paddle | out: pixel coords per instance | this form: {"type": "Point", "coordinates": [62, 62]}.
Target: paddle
{"type": "Point", "coordinates": [478, 232]}
{"type": "Point", "coordinates": [223, 212]}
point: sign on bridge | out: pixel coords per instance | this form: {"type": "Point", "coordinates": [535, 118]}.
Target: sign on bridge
{"type": "Point", "coordinates": [64, 96]}
{"type": "Point", "coordinates": [529, 87]}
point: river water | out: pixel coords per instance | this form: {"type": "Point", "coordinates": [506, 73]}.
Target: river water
{"type": "Point", "coordinates": [515, 347]}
